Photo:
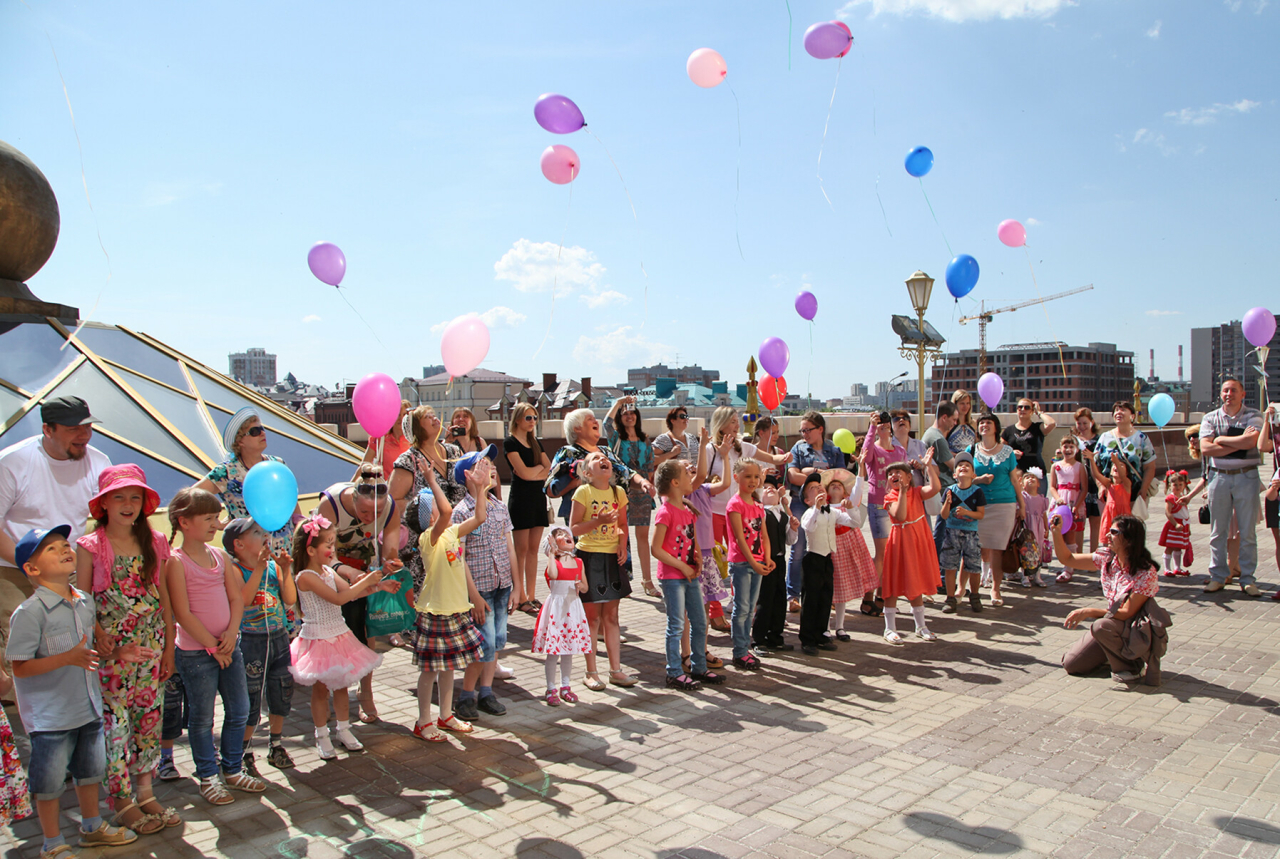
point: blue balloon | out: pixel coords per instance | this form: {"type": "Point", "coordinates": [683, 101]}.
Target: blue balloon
{"type": "Point", "coordinates": [919, 161]}
{"type": "Point", "coordinates": [962, 275]}
{"type": "Point", "coordinates": [1161, 409]}
{"type": "Point", "coordinates": [271, 494]}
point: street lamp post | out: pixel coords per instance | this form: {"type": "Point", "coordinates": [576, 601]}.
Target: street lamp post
{"type": "Point", "coordinates": [919, 288]}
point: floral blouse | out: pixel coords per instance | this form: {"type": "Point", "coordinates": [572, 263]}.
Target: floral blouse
{"type": "Point", "coordinates": [229, 478]}
{"type": "Point", "coordinates": [1118, 581]}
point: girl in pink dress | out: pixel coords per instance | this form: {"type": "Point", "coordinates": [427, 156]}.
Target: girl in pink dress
{"type": "Point", "coordinates": [561, 629]}
{"type": "Point", "coordinates": [855, 575]}
{"type": "Point", "coordinates": [1068, 481]}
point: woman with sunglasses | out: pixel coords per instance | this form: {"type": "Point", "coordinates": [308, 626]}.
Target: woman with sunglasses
{"type": "Point", "coordinates": [368, 538]}
{"type": "Point", "coordinates": [1027, 436]}
{"type": "Point", "coordinates": [677, 442]}
{"type": "Point", "coordinates": [526, 501]}
{"type": "Point", "coordinates": [245, 441]}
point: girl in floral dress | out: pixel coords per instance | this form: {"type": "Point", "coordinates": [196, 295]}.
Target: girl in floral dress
{"type": "Point", "coordinates": [120, 563]}
{"type": "Point", "coordinates": [561, 629]}
{"type": "Point", "coordinates": [15, 797]}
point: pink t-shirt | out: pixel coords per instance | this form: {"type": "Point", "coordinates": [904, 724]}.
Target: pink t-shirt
{"type": "Point", "coordinates": [878, 462]}
{"type": "Point", "coordinates": [678, 540]}
{"type": "Point", "coordinates": [207, 597]}
{"type": "Point", "coordinates": [752, 514]}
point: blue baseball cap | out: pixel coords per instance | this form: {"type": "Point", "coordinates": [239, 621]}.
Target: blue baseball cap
{"type": "Point", "coordinates": [33, 539]}
{"type": "Point", "coordinates": [470, 461]}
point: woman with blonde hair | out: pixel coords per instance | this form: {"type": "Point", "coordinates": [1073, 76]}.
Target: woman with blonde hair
{"type": "Point", "coordinates": [526, 501]}
{"type": "Point", "coordinates": [426, 453]}
{"type": "Point", "coordinates": [965, 432]}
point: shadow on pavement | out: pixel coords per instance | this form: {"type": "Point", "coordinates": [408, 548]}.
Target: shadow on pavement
{"type": "Point", "coordinates": [980, 839]}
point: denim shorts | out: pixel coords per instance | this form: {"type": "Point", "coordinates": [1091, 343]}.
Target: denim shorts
{"type": "Point", "coordinates": [266, 668]}
{"type": "Point", "coordinates": [80, 751]}
{"type": "Point", "coordinates": [493, 632]}
{"type": "Point", "coordinates": [960, 546]}
{"type": "Point", "coordinates": [879, 518]}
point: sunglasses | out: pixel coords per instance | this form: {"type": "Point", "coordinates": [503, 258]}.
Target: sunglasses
{"type": "Point", "coordinates": [378, 489]}
{"type": "Point", "coordinates": [902, 420]}
{"type": "Point", "coordinates": [254, 431]}
{"type": "Point", "coordinates": [1115, 532]}
{"type": "Point", "coordinates": [529, 418]}
{"type": "Point", "coordinates": [1024, 408]}
{"type": "Point", "coordinates": [680, 417]}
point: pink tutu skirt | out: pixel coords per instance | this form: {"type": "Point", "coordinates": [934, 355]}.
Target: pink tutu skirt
{"type": "Point", "coordinates": [336, 662]}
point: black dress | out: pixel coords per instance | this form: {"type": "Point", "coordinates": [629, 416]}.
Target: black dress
{"type": "Point", "coordinates": [526, 501]}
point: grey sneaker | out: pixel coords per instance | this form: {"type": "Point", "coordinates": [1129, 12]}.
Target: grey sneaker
{"type": "Point", "coordinates": [465, 708]}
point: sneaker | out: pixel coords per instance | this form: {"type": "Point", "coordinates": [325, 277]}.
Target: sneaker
{"type": "Point", "coordinates": [1213, 586]}
{"type": "Point", "coordinates": [553, 698]}
{"type": "Point", "coordinates": [502, 672]}
{"type": "Point", "coordinates": [348, 740]}
{"type": "Point", "coordinates": [466, 708]}
{"type": "Point", "coordinates": [245, 782]}
{"type": "Point", "coordinates": [491, 705]}
{"type": "Point", "coordinates": [975, 602]}
{"type": "Point", "coordinates": [107, 835]}
{"type": "Point", "coordinates": [167, 771]}
{"type": "Point", "coordinates": [759, 651]}
{"type": "Point", "coordinates": [248, 765]}
{"type": "Point", "coordinates": [214, 792]}
{"type": "Point", "coordinates": [568, 695]}
{"type": "Point", "coordinates": [1252, 590]}
{"type": "Point", "coordinates": [279, 758]}
{"type": "Point", "coordinates": [950, 606]}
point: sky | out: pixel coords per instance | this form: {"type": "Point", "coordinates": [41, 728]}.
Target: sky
{"type": "Point", "coordinates": [218, 142]}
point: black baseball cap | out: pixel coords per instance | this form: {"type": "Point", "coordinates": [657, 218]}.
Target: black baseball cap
{"type": "Point", "coordinates": [234, 530]}
{"type": "Point", "coordinates": [67, 412]}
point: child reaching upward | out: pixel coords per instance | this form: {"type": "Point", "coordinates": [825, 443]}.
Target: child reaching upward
{"type": "Point", "coordinates": [1115, 490]}
{"type": "Point", "coordinates": [910, 560]}
{"type": "Point", "coordinates": [561, 629]}
{"type": "Point", "coordinates": [1068, 482]}
{"type": "Point", "coordinates": [963, 506]}
{"type": "Point", "coordinates": [1176, 536]}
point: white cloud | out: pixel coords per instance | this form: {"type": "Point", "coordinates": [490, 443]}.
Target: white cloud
{"type": "Point", "coordinates": [494, 317]}
{"type": "Point", "coordinates": [1033, 222]}
{"type": "Point", "coordinates": [311, 317]}
{"type": "Point", "coordinates": [960, 10]}
{"type": "Point", "coordinates": [603, 298]}
{"type": "Point", "coordinates": [1164, 312]}
{"type": "Point", "coordinates": [621, 347]}
{"type": "Point", "coordinates": [1258, 5]}
{"type": "Point", "coordinates": [1154, 32]}
{"type": "Point", "coordinates": [1149, 137]}
{"type": "Point", "coordinates": [1209, 115]}
{"type": "Point", "coordinates": [534, 267]}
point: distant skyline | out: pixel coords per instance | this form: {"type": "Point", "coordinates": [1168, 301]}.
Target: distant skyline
{"type": "Point", "coordinates": [220, 142]}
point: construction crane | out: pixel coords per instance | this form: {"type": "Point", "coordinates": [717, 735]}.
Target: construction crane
{"type": "Point", "coordinates": [984, 316]}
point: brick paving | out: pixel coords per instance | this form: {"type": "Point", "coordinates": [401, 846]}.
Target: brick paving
{"type": "Point", "coordinates": [976, 744]}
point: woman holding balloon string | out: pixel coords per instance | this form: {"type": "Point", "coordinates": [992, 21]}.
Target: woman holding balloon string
{"type": "Point", "coordinates": [245, 441]}
{"type": "Point", "coordinates": [764, 435]}
{"type": "Point", "coordinates": [426, 454]}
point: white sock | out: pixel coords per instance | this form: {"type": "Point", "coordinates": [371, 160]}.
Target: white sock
{"type": "Point", "coordinates": [322, 739]}
{"type": "Point", "coordinates": [917, 611]}
{"type": "Point", "coordinates": [890, 619]}
{"type": "Point", "coordinates": [1168, 562]}
{"type": "Point", "coordinates": [344, 726]}
{"type": "Point", "coordinates": [1177, 560]}
{"type": "Point", "coordinates": [839, 611]}
{"type": "Point", "coordinates": [566, 670]}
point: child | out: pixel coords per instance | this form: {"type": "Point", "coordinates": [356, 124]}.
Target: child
{"type": "Point", "coordinates": [120, 563]}
{"type": "Point", "coordinates": [819, 523]}
{"type": "Point", "coordinates": [444, 635]}
{"type": "Point", "coordinates": [1114, 491]}
{"type": "Point", "coordinates": [15, 796]}
{"type": "Point", "coordinates": [1176, 536]}
{"type": "Point", "coordinates": [204, 592]}
{"type": "Point", "coordinates": [561, 629]}
{"type": "Point", "coordinates": [51, 644]}
{"type": "Point", "coordinates": [701, 501]}
{"type": "Point", "coordinates": [749, 557]}
{"type": "Point", "coordinates": [854, 569]}
{"type": "Point", "coordinates": [963, 506]}
{"type": "Point", "coordinates": [598, 508]}
{"type": "Point", "coordinates": [1036, 517]}
{"type": "Point", "coordinates": [326, 654]}
{"type": "Point", "coordinates": [910, 560]}
{"type": "Point", "coordinates": [1068, 480]}
{"type": "Point", "coordinates": [268, 591]}
{"type": "Point", "coordinates": [771, 609]}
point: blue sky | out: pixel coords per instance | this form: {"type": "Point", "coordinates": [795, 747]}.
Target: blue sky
{"type": "Point", "coordinates": [221, 140]}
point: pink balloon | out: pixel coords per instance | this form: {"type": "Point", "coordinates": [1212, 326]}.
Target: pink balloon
{"type": "Point", "coordinates": [464, 344]}
{"type": "Point", "coordinates": [560, 164]}
{"type": "Point", "coordinates": [706, 68]}
{"type": "Point", "coordinates": [1012, 233]}
{"type": "Point", "coordinates": [990, 389]}
{"type": "Point", "coordinates": [843, 26]}
{"type": "Point", "coordinates": [327, 262]}
{"type": "Point", "coordinates": [376, 402]}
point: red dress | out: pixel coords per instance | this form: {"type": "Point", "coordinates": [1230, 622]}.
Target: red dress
{"type": "Point", "coordinates": [1117, 505]}
{"type": "Point", "coordinates": [1177, 531]}
{"type": "Point", "coordinates": [855, 571]}
{"type": "Point", "coordinates": [910, 559]}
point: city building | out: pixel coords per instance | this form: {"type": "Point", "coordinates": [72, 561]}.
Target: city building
{"type": "Point", "coordinates": [254, 366]}
{"type": "Point", "coordinates": [477, 391]}
{"type": "Point", "coordinates": [1223, 351]}
{"type": "Point", "coordinates": [857, 389]}
{"type": "Point", "coordinates": [654, 401]}
{"type": "Point", "coordinates": [553, 399]}
{"type": "Point", "coordinates": [1097, 375]}
{"type": "Point", "coordinates": [642, 377]}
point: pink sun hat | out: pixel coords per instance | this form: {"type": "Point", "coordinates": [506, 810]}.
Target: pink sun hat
{"type": "Point", "coordinates": [115, 477]}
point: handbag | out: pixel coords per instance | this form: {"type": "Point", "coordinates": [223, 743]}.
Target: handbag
{"type": "Point", "coordinates": [1203, 514]}
{"type": "Point", "coordinates": [391, 614]}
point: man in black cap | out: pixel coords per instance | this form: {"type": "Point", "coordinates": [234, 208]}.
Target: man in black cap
{"type": "Point", "coordinates": [45, 480]}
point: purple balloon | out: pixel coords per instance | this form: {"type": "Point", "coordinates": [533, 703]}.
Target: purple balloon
{"type": "Point", "coordinates": [806, 305]}
{"type": "Point", "coordinates": [774, 356]}
{"type": "Point", "coordinates": [1065, 512]}
{"type": "Point", "coordinates": [990, 389]}
{"type": "Point", "coordinates": [1259, 326]}
{"type": "Point", "coordinates": [327, 262]}
{"type": "Point", "coordinates": [558, 114]}
{"type": "Point", "coordinates": [826, 40]}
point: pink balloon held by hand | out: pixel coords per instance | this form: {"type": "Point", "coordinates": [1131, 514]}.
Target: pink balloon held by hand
{"type": "Point", "coordinates": [706, 68]}
{"type": "Point", "coordinates": [464, 344]}
{"type": "Point", "coordinates": [1011, 233]}
{"type": "Point", "coordinates": [560, 164]}
{"type": "Point", "coordinates": [376, 402]}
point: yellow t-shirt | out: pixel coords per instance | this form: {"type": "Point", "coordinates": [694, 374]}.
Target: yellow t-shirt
{"type": "Point", "coordinates": [596, 501]}
{"type": "Point", "coordinates": [444, 588]}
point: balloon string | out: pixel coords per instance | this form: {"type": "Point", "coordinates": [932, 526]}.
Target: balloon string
{"type": "Point", "coordinates": [809, 378]}
{"type": "Point", "coordinates": [555, 277]}
{"type": "Point", "coordinates": [362, 319]}
{"type": "Point", "coordinates": [935, 219]}
{"type": "Point", "coordinates": [1062, 361]}
{"type": "Point", "coordinates": [788, 35]}
{"type": "Point", "coordinates": [737, 179]}
{"type": "Point", "coordinates": [633, 215]}
{"type": "Point", "coordinates": [826, 125]}
{"type": "Point", "coordinates": [883, 214]}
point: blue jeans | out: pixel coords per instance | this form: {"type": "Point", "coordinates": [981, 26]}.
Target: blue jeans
{"type": "Point", "coordinates": [683, 598]}
{"type": "Point", "coordinates": [1239, 494]}
{"type": "Point", "coordinates": [204, 681]}
{"type": "Point", "coordinates": [795, 575]}
{"type": "Point", "coordinates": [493, 632]}
{"type": "Point", "coordinates": [266, 668]}
{"type": "Point", "coordinates": [81, 751]}
{"type": "Point", "coordinates": [746, 590]}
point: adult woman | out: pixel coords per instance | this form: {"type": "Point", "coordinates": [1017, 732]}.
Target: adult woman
{"type": "Point", "coordinates": [393, 443]}
{"type": "Point", "coordinates": [624, 433]}
{"type": "Point", "coordinates": [409, 478]}
{"type": "Point", "coordinates": [525, 501]}
{"type": "Point", "coordinates": [1136, 450]}
{"type": "Point", "coordinates": [997, 462]}
{"type": "Point", "coordinates": [1027, 436]}
{"type": "Point", "coordinates": [1087, 434]}
{"type": "Point", "coordinates": [1129, 583]}
{"type": "Point", "coordinates": [915, 448]}
{"type": "Point", "coordinates": [965, 432]}
{"type": "Point", "coordinates": [464, 433]}
{"type": "Point", "coordinates": [368, 532]}
{"type": "Point", "coordinates": [582, 432]}
{"type": "Point", "coordinates": [677, 441]}
{"type": "Point", "coordinates": [814, 452]}
{"type": "Point", "coordinates": [245, 439]}
{"type": "Point", "coordinates": [764, 435]}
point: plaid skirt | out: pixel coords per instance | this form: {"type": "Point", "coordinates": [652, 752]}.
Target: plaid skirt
{"type": "Point", "coordinates": [443, 642]}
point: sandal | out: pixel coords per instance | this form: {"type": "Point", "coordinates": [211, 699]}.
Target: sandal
{"type": "Point", "coordinates": [144, 824]}
{"type": "Point", "coordinates": [168, 815]}
{"type": "Point", "coordinates": [650, 590]}
{"type": "Point", "coordinates": [869, 609]}
{"type": "Point", "coordinates": [527, 607]}
{"type": "Point", "coordinates": [214, 792]}
{"type": "Point", "coordinates": [708, 678]}
{"type": "Point", "coordinates": [892, 637]}
{"type": "Point", "coordinates": [714, 661]}
{"type": "Point", "coordinates": [453, 723]}
{"type": "Point", "coordinates": [618, 677]}
{"type": "Point", "coordinates": [593, 682]}
{"type": "Point", "coordinates": [1064, 577]}
{"type": "Point", "coordinates": [534, 607]}
{"type": "Point", "coordinates": [431, 733]}
{"type": "Point", "coordinates": [684, 683]}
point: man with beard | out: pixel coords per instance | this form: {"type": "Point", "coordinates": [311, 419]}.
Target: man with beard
{"type": "Point", "coordinates": [45, 480]}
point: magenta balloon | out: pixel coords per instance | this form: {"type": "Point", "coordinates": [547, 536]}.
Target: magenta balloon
{"type": "Point", "coordinates": [843, 26]}
{"type": "Point", "coordinates": [327, 262]}
{"type": "Point", "coordinates": [1012, 233]}
{"type": "Point", "coordinates": [1259, 326]}
{"type": "Point", "coordinates": [560, 164]}
{"type": "Point", "coordinates": [376, 402]}
{"type": "Point", "coordinates": [826, 40]}
{"type": "Point", "coordinates": [1065, 512]}
{"type": "Point", "coordinates": [990, 389]}
{"type": "Point", "coordinates": [807, 304]}
{"type": "Point", "coordinates": [774, 356]}
{"type": "Point", "coordinates": [558, 114]}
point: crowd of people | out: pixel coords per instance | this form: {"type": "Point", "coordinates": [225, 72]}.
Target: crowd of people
{"type": "Point", "coordinates": [120, 637]}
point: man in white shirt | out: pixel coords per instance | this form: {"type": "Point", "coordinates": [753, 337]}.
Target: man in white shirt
{"type": "Point", "coordinates": [1229, 438]}
{"type": "Point", "coordinates": [45, 480]}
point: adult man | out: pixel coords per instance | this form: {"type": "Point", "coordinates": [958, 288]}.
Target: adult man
{"type": "Point", "coordinates": [1229, 437]}
{"type": "Point", "coordinates": [45, 480]}
{"type": "Point", "coordinates": [936, 438]}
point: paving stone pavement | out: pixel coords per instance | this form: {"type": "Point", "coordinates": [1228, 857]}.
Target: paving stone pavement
{"type": "Point", "coordinates": [978, 743]}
